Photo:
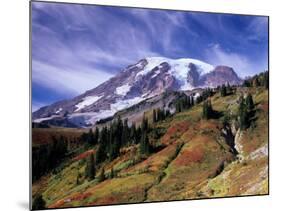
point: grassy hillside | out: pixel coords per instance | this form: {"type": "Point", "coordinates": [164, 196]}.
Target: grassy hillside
{"type": "Point", "coordinates": [192, 160]}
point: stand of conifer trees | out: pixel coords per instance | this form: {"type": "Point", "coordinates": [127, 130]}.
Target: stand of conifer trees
{"type": "Point", "coordinates": [118, 135]}
{"type": "Point", "coordinates": [46, 157]}
{"type": "Point", "coordinates": [258, 80]}
{"type": "Point", "coordinates": [246, 111]}
{"type": "Point", "coordinates": [160, 115]}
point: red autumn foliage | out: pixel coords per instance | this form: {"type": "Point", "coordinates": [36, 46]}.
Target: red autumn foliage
{"type": "Point", "coordinates": [104, 201]}
{"type": "Point", "coordinates": [174, 132]}
{"type": "Point", "coordinates": [264, 107]}
{"type": "Point", "coordinates": [189, 156]}
{"type": "Point", "coordinates": [57, 204]}
{"type": "Point", "coordinates": [84, 155]}
{"type": "Point", "coordinates": [80, 196]}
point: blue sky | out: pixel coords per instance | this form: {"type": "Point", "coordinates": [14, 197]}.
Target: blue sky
{"type": "Point", "coordinates": [77, 47]}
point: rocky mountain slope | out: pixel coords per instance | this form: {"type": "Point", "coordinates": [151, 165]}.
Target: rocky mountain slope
{"type": "Point", "coordinates": [144, 80]}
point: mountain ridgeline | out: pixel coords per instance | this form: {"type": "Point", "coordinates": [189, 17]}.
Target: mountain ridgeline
{"type": "Point", "coordinates": [141, 83]}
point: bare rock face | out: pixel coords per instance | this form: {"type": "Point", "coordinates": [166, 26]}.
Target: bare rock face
{"type": "Point", "coordinates": [158, 80]}
{"type": "Point", "coordinates": [220, 75]}
{"type": "Point", "coordinates": [193, 75]}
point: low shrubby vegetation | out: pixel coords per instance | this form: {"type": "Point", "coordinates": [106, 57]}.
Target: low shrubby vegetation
{"type": "Point", "coordinates": [210, 145]}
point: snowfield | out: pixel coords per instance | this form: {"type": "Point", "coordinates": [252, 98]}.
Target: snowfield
{"type": "Point", "coordinates": [92, 117]}
{"type": "Point", "coordinates": [122, 104]}
{"type": "Point", "coordinates": [179, 68]}
{"type": "Point", "coordinates": [89, 100]}
{"type": "Point", "coordinates": [43, 119]}
{"type": "Point", "coordinates": [123, 90]}
{"type": "Point", "coordinates": [58, 111]}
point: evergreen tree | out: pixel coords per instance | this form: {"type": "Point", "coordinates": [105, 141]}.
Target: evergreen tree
{"type": "Point", "coordinates": [118, 133]}
{"type": "Point", "coordinates": [256, 81]}
{"type": "Point", "coordinates": [97, 134]}
{"type": "Point", "coordinates": [138, 134]}
{"type": "Point", "coordinates": [250, 102]}
{"type": "Point", "coordinates": [188, 105]}
{"type": "Point", "coordinates": [210, 108]}
{"type": "Point", "coordinates": [207, 110]}
{"type": "Point", "coordinates": [144, 144]}
{"type": "Point", "coordinates": [133, 134]}
{"type": "Point", "coordinates": [91, 137]}
{"type": "Point", "coordinates": [246, 83]}
{"type": "Point", "coordinates": [114, 149]}
{"type": "Point", "coordinates": [112, 173]}
{"type": "Point", "coordinates": [204, 110]}
{"type": "Point", "coordinates": [38, 203]}
{"type": "Point", "coordinates": [125, 133]}
{"type": "Point", "coordinates": [178, 106]}
{"type": "Point", "coordinates": [144, 124]}
{"type": "Point", "coordinates": [243, 115]}
{"type": "Point", "coordinates": [223, 90]}
{"type": "Point", "coordinates": [191, 101]}
{"type": "Point", "coordinates": [160, 114]}
{"type": "Point", "coordinates": [103, 142]}
{"type": "Point", "coordinates": [47, 157]}
{"type": "Point", "coordinates": [199, 99]}
{"type": "Point", "coordinates": [90, 170]}
{"type": "Point", "coordinates": [84, 137]}
{"type": "Point", "coordinates": [228, 88]}
{"type": "Point", "coordinates": [167, 113]}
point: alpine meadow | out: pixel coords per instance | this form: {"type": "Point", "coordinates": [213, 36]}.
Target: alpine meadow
{"type": "Point", "coordinates": [133, 105]}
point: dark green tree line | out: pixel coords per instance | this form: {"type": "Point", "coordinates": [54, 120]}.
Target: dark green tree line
{"type": "Point", "coordinates": [90, 170]}
{"type": "Point", "coordinates": [47, 157]}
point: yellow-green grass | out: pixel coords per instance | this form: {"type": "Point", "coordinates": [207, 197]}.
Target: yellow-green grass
{"type": "Point", "coordinates": [118, 190]}
{"type": "Point", "coordinates": [65, 182]}
{"type": "Point", "coordinates": [256, 135]}
{"type": "Point", "coordinates": [249, 176]}
{"type": "Point", "coordinates": [155, 163]}
{"type": "Point", "coordinates": [240, 178]}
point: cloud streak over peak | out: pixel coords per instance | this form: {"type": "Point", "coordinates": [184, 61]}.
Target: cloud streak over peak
{"type": "Point", "coordinates": [77, 47]}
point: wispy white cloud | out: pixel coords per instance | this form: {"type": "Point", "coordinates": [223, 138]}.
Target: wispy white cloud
{"type": "Point", "coordinates": [97, 39]}
{"type": "Point", "coordinates": [258, 29]}
{"type": "Point", "coordinates": [242, 65]}
{"type": "Point", "coordinates": [162, 26]}
{"type": "Point", "coordinates": [67, 80]}
{"type": "Point", "coordinates": [77, 47]}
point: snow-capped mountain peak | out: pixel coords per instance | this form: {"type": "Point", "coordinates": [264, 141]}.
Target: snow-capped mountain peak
{"type": "Point", "coordinates": [179, 68]}
{"type": "Point", "coordinates": [147, 78]}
